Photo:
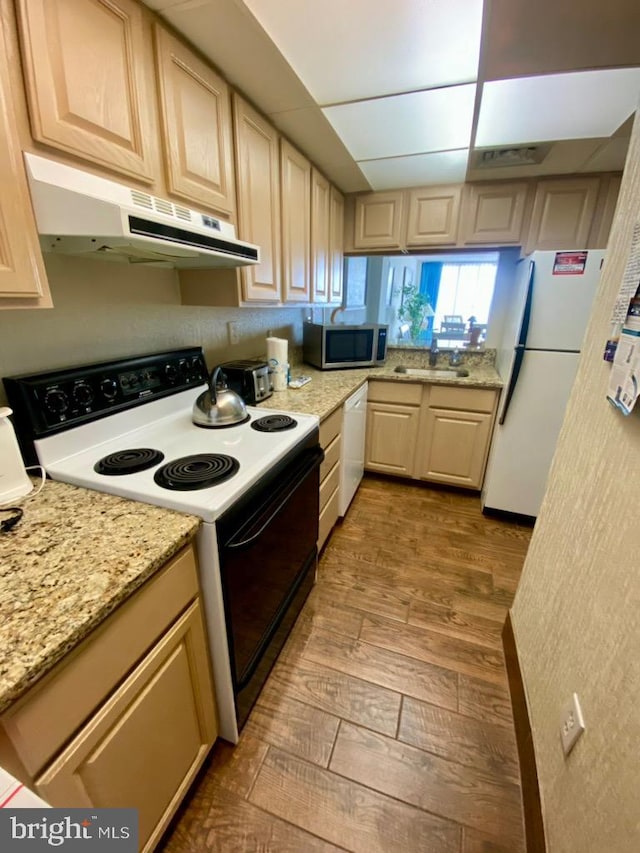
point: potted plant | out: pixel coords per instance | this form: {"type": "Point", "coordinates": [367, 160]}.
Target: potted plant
{"type": "Point", "coordinates": [414, 311]}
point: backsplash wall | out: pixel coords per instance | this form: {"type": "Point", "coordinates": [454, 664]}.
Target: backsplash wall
{"type": "Point", "coordinates": [106, 310]}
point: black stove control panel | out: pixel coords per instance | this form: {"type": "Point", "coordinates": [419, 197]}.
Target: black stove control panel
{"type": "Point", "coordinates": [46, 403]}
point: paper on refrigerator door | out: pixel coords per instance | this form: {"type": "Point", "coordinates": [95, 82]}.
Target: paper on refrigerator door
{"type": "Point", "coordinates": [628, 288]}
{"type": "Point", "coordinates": [625, 374]}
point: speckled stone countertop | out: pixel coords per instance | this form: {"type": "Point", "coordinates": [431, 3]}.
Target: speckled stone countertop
{"type": "Point", "coordinates": [329, 389]}
{"type": "Point", "coordinates": [72, 559]}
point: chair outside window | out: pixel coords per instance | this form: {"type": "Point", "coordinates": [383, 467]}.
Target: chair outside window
{"type": "Point", "coordinates": [453, 326]}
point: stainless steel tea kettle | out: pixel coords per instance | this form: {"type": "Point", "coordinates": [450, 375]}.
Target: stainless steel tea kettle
{"type": "Point", "coordinates": [219, 406]}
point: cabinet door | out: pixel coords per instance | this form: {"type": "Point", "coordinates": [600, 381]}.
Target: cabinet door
{"type": "Point", "coordinates": [336, 246]}
{"type": "Point", "coordinates": [455, 448]}
{"type": "Point", "coordinates": [562, 213]}
{"type": "Point", "coordinates": [196, 126]}
{"type": "Point", "coordinates": [378, 220]}
{"type": "Point", "coordinates": [433, 216]}
{"type": "Point", "coordinates": [87, 81]}
{"type": "Point", "coordinates": [392, 431]}
{"type": "Point", "coordinates": [494, 213]}
{"type": "Point", "coordinates": [258, 181]}
{"type": "Point", "coordinates": [295, 175]}
{"type": "Point", "coordinates": [143, 748]}
{"type": "Point", "coordinates": [23, 282]}
{"type": "Point", "coordinates": [320, 206]}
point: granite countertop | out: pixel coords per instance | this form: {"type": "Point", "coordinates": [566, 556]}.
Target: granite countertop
{"type": "Point", "coordinates": [72, 559]}
{"type": "Point", "coordinates": [329, 389]}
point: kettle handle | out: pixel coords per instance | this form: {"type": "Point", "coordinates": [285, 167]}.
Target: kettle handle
{"type": "Point", "coordinates": [213, 382]}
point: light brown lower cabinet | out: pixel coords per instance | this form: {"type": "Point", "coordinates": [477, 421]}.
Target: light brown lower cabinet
{"type": "Point", "coordinates": [392, 432]}
{"type": "Point", "coordinates": [454, 450]}
{"type": "Point", "coordinates": [430, 432]}
{"type": "Point", "coordinates": [330, 441]}
{"type": "Point", "coordinates": [143, 743]}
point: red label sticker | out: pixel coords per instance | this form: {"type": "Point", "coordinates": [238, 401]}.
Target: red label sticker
{"type": "Point", "coordinates": [570, 263]}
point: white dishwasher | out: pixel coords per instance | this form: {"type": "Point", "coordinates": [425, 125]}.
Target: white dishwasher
{"type": "Point", "coordinates": [354, 426]}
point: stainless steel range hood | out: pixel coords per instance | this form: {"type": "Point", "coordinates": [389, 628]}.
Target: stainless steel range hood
{"type": "Point", "coordinates": [81, 214]}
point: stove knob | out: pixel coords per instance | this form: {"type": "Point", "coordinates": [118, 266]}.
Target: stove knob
{"type": "Point", "coordinates": [56, 401]}
{"type": "Point", "coordinates": [82, 394]}
{"type": "Point", "coordinates": [108, 389]}
{"type": "Point", "coordinates": [195, 367]}
{"type": "Point", "coordinates": [171, 372]}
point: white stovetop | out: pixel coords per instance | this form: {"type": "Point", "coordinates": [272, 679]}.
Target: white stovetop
{"type": "Point", "coordinates": [166, 425]}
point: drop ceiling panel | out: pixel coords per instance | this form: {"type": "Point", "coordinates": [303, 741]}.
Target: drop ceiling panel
{"type": "Point", "coordinates": [547, 37]}
{"type": "Point", "coordinates": [443, 167]}
{"type": "Point", "coordinates": [556, 106]}
{"type": "Point", "coordinates": [346, 50]}
{"type": "Point", "coordinates": [421, 122]}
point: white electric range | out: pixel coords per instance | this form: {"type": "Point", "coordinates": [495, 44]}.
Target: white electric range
{"type": "Point", "coordinates": [125, 428]}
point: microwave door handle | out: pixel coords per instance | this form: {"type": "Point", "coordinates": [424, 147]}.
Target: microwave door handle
{"type": "Point", "coordinates": [273, 508]}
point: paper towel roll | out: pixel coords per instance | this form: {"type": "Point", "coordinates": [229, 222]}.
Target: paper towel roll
{"type": "Point", "coordinates": [278, 359]}
{"type": "Point", "coordinates": [277, 352]}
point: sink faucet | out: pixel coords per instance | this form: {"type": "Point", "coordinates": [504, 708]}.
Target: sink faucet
{"type": "Point", "coordinates": [433, 352]}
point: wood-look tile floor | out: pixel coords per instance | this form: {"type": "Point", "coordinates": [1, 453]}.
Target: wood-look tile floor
{"type": "Point", "coordinates": [386, 723]}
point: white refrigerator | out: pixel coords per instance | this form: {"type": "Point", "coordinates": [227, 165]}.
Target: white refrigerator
{"type": "Point", "coordinates": [537, 360]}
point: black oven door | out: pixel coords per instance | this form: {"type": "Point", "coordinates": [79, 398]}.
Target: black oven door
{"type": "Point", "coordinates": [267, 549]}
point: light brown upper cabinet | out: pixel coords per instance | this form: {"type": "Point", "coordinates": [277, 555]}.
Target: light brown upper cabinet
{"type": "Point", "coordinates": [23, 282]}
{"type": "Point", "coordinates": [433, 216]}
{"type": "Point", "coordinates": [563, 210]}
{"type": "Point", "coordinates": [258, 183]}
{"type": "Point", "coordinates": [336, 246]}
{"type": "Point", "coordinates": [295, 176]}
{"type": "Point", "coordinates": [320, 207]}
{"type": "Point", "coordinates": [379, 220]}
{"type": "Point", "coordinates": [494, 213]}
{"type": "Point", "coordinates": [195, 115]}
{"type": "Point", "coordinates": [88, 75]}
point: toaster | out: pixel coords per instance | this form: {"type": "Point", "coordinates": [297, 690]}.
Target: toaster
{"type": "Point", "coordinates": [250, 379]}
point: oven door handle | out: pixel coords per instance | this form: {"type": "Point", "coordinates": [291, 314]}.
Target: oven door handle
{"type": "Point", "coordinates": [272, 509]}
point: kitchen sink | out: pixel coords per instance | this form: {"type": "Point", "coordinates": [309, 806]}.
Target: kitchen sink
{"type": "Point", "coordinates": [432, 372]}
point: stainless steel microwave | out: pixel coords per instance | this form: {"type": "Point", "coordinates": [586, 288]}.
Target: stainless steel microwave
{"type": "Point", "coordinates": [332, 347]}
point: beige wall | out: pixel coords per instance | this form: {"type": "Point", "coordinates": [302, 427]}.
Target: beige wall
{"type": "Point", "coordinates": [106, 310]}
{"type": "Point", "coordinates": [577, 612]}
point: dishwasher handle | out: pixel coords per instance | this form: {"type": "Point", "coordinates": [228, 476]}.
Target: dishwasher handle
{"type": "Point", "coordinates": [245, 537]}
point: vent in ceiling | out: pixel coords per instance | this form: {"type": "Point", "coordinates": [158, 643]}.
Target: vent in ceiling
{"type": "Point", "coordinates": [498, 158]}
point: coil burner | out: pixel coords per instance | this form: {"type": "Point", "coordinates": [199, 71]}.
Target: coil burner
{"type": "Point", "coordinates": [199, 471]}
{"type": "Point", "coordinates": [128, 461]}
{"type": "Point", "coordinates": [274, 423]}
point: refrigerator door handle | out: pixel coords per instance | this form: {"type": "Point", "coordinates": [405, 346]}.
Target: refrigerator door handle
{"type": "Point", "coordinates": [521, 345]}
{"type": "Point", "coordinates": [526, 314]}
{"type": "Point", "coordinates": [513, 379]}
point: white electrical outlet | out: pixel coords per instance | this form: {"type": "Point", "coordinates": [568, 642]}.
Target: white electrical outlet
{"type": "Point", "coordinates": [234, 334]}
{"type": "Point", "coordinates": [572, 723]}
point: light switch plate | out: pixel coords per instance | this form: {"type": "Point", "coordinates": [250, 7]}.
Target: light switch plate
{"type": "Point", "coordinates": [571, 724]}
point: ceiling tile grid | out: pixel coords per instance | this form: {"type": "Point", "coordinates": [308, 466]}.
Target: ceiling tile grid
{"type": "Point", "coordinates": [402, 95]}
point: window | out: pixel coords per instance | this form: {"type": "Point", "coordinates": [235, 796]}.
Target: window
{"type": "Point", "coordinates": [446, 296]}
{"type": "Point", "coordinates": [463, 300]}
